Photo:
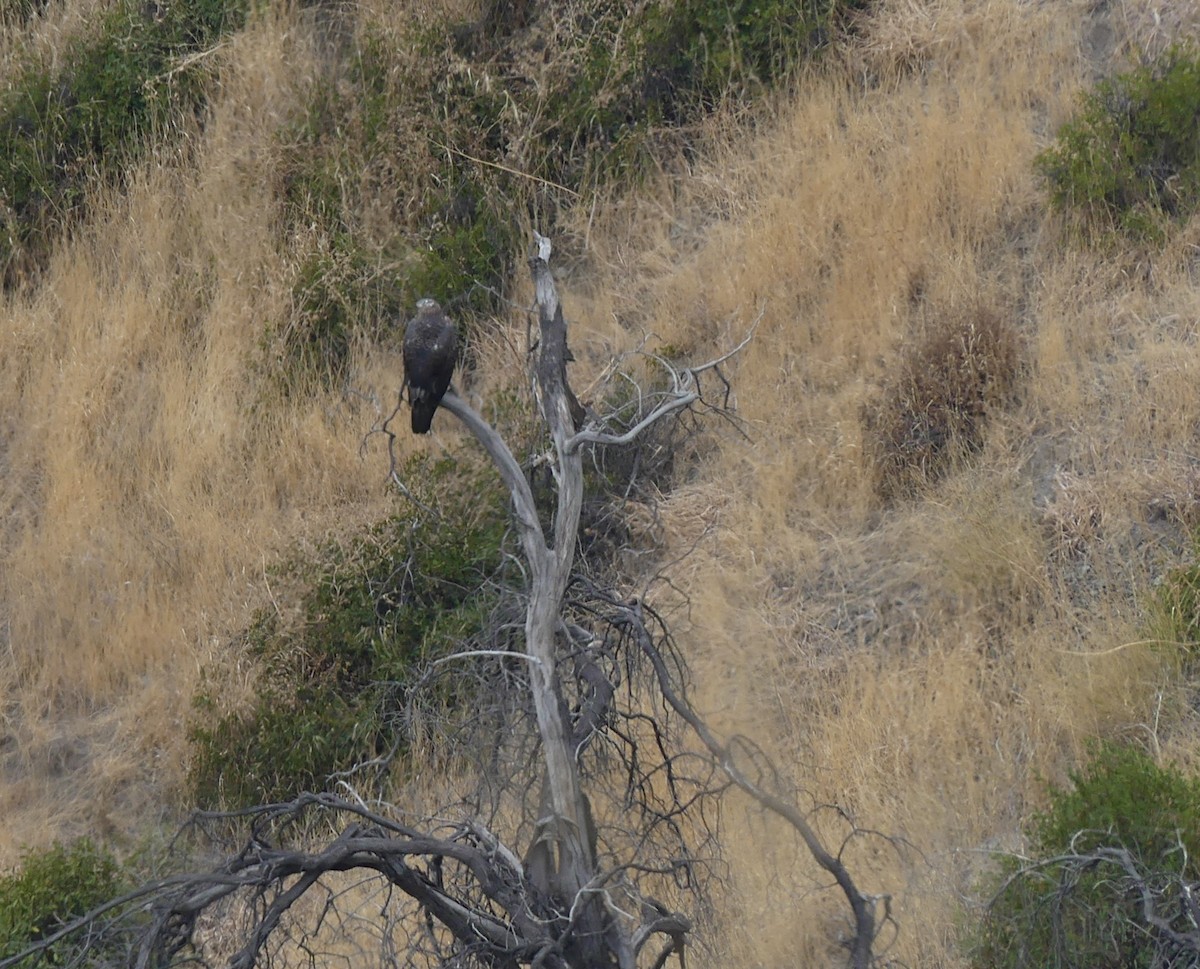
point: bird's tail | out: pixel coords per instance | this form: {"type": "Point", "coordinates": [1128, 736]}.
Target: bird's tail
{"type": "Point", "coordinates": [423, 407]}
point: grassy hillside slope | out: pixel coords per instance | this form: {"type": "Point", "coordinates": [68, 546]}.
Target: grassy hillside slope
{"type": "Point", "coordinates": [929, 663]}
{"type": "Point", "coordinates": [923, 653]}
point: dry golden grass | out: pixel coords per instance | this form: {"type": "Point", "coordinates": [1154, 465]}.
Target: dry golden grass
{"type": "Point", "coordinates": [38, 39]}
{"type": "Point", "coordinates": [151, 468]}
{"type": "Point", "coordinates": [925, 665]}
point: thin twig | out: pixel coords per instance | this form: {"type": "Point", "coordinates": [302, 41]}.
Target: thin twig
{"type": "Point", "coordinates": [184, 64]}
{"type": "Point", "coordinates": [509, 170]}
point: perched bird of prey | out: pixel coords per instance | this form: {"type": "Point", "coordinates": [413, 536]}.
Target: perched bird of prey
{"type": "Point", "coordinates": [430, 351]}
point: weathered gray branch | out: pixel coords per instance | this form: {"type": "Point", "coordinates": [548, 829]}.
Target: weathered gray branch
{"type": "Point", "coordinates": [684, 393]}
{"type": "Point", "coordinates": [863, 906]}
{"type": "Point", "coordinates": [564, 830]}
{"type": "Point", "coordinates": [665, 409]}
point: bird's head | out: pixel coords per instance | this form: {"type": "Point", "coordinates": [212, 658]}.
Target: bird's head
{"type": "Point", "coordinates": [427, 305]}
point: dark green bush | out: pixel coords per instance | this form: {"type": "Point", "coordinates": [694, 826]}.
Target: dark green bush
{"type": "Point", "coordinates": [115, 90]}
{"type": "Point", "coordinates": [959, 369]}
{"type": "Point", "coordinates": [1123, 797]}
{"type": "Point", "coordinates": [370, 613]}
{"type": "Point", "coordinates": [700, 51]}
{"type": "Point", "coordinates": [51, 887]}
{"type": "Point", "coordinates": [300, 731]}
{"type": "Point", "coordinates": [1127, 831]}
{"type": "Point", "coordinates": [467, 261]}
{"type": "Point", "coordinates": [1132, 156]}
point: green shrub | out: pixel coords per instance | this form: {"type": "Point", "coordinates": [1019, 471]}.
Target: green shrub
{"type": "Point", "coordinates": [466, 263]}
{"type": "Point", "coordinates": [1123, 797]}
{"type": "Point", "coordinates": [49, 889]}
{"type": "Point", "coordinates": [1132, 156]}
{"type": "Point", "coordinates": [369, 614]}
{"type": "Point", "coordinates": [1175, 610]}
{"type": "Point", "coordinates": [111, 93]}
{"type": "Point", "coordinates": [298, 734]}
{"type": "Point", "coordinates": [1125, 836]}
{"type": "Point", "coordinates": [450, 233]}
{"type": "Point", "coordinates": [955, 373]}
{"type": "Point", "coordinates": [699, 51]}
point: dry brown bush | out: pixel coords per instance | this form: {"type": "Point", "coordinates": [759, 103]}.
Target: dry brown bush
{"type": "Point", "coordinates": [958, 368]}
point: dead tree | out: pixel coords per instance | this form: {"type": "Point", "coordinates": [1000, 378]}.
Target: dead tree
{"type": "Point", "coordinates": [554, 875]}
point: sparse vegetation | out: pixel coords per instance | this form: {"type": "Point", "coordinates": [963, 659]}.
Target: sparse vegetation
{"type": "Point", "coordinates": [372, 612]}
{"type": "Point", "coordinates": [1105, 883]}
{"type": "Point", "coordinates": [624, 484]}
{"type": "Point", "coordinates": [342, 299]}
{"type": "Point", "coordinates": [1131, 158]}
{"type": "Point", "coordinates": [621, 85]}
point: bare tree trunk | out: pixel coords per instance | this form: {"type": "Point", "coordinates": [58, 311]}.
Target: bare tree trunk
{"type": "Point", "coordinates": [563, 850]}
{"type": "Point", "coordinates": [550, 576]}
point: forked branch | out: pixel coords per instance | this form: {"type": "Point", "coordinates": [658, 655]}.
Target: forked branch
{"type": "Point", "coordinates": [632, 617]}
{"type": "Point", "coordinates": [685, 391]}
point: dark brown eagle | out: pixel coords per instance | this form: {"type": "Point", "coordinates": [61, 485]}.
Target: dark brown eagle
{"type": "Point", "coordinates": [430, 351]}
